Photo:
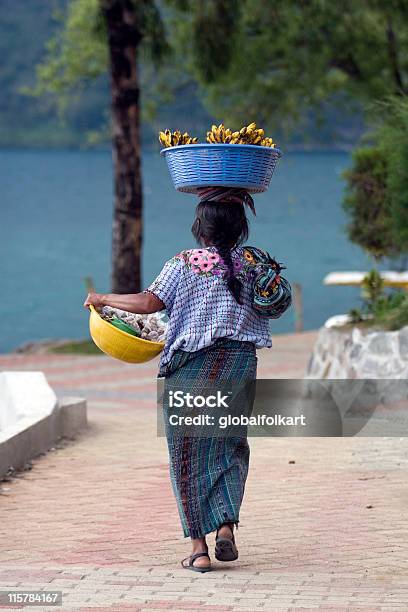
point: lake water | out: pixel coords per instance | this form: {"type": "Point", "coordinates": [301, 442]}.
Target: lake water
{"type": "Point", "coordinates": [55, 229]}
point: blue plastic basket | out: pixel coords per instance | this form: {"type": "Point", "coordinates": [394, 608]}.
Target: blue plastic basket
{"type": "Point", "coordinates": [249, 167]}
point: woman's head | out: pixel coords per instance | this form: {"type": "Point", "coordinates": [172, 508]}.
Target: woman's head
{"type": "Point", "coordinates": [223, 225]}
{"type": "Point", "coordinates": [220, 224]}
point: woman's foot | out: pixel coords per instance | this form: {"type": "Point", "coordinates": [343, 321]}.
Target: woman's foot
{"type": "Point", "coordinates": [199, 560]}
{"type": "Point", "coordinates": [225, 547]}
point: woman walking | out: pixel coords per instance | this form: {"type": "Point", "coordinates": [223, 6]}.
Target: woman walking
{"type": "Point", "coordinates": [213, 333]}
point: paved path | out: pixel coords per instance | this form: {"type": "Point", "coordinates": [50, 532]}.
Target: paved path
{"type": "Point", "coordinates": [323, 525]}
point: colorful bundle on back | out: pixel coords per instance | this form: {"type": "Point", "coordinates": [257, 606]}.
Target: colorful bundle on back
{"type": "Point", "coordinates": [272, 293]}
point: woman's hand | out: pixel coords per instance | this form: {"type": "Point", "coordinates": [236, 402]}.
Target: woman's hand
{"type": "Point", "coordinates": [96, 299]}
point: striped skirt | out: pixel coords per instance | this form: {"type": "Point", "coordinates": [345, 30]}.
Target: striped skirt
{"type": "Point", "coordinates": [208, 474]}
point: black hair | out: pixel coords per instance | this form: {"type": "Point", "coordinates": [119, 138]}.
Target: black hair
{"type": "Point", "coordinates": [225, 226]}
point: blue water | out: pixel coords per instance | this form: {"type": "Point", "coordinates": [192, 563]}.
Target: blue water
{"type": "Point", "coordinates": [55, 229]}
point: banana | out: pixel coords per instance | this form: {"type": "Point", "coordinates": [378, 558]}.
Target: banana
{"type": "Point", "coordinates": [210, 137]}
{"type": "Point", "coordinates": [169, 139]}
{"type": "Point", "coordinates": [249, 131]}
{"type": "Point", "coordinates": [249, 134]}
{"type": "Point", "coordinates": [163, 139]}
{"type": "Point", "coordinates": [177, 137]}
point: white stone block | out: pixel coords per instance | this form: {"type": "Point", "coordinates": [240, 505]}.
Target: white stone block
{"type": "Point", "coordinates": [24, 395]}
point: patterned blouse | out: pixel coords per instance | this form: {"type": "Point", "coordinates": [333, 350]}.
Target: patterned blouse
{"type": "Point", "coordinates": [200, 306]}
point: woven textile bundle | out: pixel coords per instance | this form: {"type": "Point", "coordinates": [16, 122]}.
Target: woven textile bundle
{"type": "Point", "coordinates": [272, 293]}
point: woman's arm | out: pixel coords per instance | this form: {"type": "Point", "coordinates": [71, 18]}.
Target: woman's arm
{"type": "Point", "coordinates": [140, 303]}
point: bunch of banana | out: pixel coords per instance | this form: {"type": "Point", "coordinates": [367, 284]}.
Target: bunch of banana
{"type": "Point", "coordinates": [267, 142]}
{"type": "Point", "coordinates": [251, 135]}
{"type": "Point", "coordinates": [219, 134]}
{"type": "Point", "coordinates": [169, 139]}
{"type": "Point", "coordinates": [246, 135]}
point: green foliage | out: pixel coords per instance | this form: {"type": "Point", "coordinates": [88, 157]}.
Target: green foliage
{"type": "Point", "coordinates": [395, 313]}
{"type": "Point", "coordinates": [377, 184]}
{"type": "Point", "coordinates": [355, 315]}
{"type": "Point", "coordinates": [76, 54]}
{"type": "Point", "coordinates": [380, 309]}
{"type": "Point", "coordinates": [155, 45]}
{"type": "Point", "coordinates": [392, 136]}
{"type": "Point", "coordinates": [367, 203]}
{"type": "Point", "coordinates": [289, 56]}
{"type": "Point", "coordinates": [372, 288]}
{"type": "Point", "coordinates": [271, 62]}
{"type": "Point", "coordinates": [213, 36]}
{"type": "Point", "coordinates": [167, 95]}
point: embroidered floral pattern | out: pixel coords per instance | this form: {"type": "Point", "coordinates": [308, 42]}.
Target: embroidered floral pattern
{"type": "Point", "coordinates": [207, 262]}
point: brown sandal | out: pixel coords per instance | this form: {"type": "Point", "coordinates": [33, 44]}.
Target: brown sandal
{"type": "Point", "coordinates": [225, 548]}
{"type": "Point", "coordinates": [191, 565]}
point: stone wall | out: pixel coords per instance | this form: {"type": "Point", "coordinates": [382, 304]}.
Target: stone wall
{"type": "Point", "coordinates": [350, 352]}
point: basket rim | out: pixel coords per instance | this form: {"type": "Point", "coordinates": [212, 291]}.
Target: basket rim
{"type": "Point", "coordinates": [94, 312]}
{"type": "Point", "coordinates": [220, 145]}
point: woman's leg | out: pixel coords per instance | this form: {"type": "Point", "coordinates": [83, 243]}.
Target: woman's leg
{"type": "Point", "coordinates": [208, 474]}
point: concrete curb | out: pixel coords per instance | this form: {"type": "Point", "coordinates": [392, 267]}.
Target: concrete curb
{"type": "Point", "coordinates": [72, 416]}
{"type": "Point", "coordinates": [67, 419]}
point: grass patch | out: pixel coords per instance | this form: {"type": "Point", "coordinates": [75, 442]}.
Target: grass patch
{"type": "Point", "coordinates": [76, 347]}
{"type": "Point", "coordinates": [382, 309]}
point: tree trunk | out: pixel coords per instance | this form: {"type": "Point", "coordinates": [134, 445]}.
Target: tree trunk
{"type": "Point", "coordinates": [123, 40]}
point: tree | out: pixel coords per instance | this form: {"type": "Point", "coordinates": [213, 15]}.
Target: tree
{"type": "Point", "coordinates": [290, 56]}
{"type": "Point", "coordinates": [100, 36]}
{"type": "Point", "coordinates": [367, 202]}
{"type": "Point", "coordinates": [254, 60]}
{"type": "Point", "coordinates": [377, 184]}
{"type": "Point", "coordinates": [109, 35]}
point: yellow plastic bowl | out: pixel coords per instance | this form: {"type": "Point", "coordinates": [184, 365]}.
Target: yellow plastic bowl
{"type": "Point", "coordinates": [119, 344]}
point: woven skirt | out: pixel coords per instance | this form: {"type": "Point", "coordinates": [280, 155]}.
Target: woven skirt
{"type": "Point", "coordinates": [208, 474]}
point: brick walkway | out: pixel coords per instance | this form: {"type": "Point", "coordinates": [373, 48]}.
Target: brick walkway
{"type": "Point", "coordinates": [323, 525]}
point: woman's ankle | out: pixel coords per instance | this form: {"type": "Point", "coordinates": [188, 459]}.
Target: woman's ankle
{"type": "Point", "coordinates": [199, 545]}
{"type": "Point", "coordinates": [226, 530]}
